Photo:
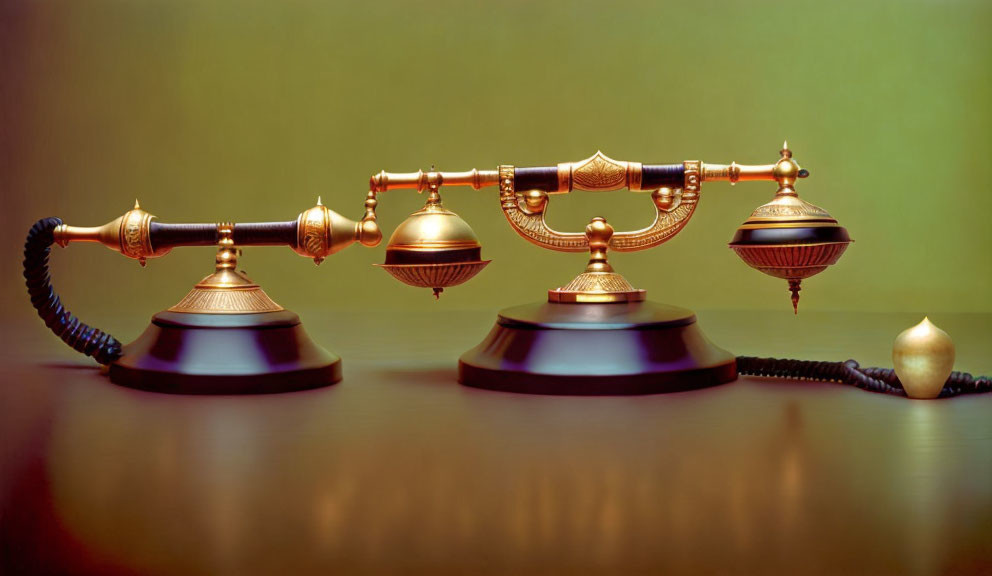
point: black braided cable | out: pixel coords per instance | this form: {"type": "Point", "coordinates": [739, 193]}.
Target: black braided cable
{"type": "Point", "coordinates": [81, 337]}
{"type": "Point", "coordinates": [882, 380]}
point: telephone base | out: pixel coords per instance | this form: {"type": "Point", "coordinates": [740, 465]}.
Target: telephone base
{"type": "Point", "coordinates": [596, 349]}
{"type": "Point", "coordinates": [189, 353]}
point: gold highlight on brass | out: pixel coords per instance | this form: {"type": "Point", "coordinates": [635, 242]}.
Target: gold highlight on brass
{"type": "Point", "coordinates": [599, 282]}
{"type": "Point", "coordinates": [128, 234]}
{"type": "Point", "coordinates": [599, 172]}
{"type": "Point", "coordinates": [227, 290]}
{"type": "Point", "coordinates": [923, 357]}
{"type": "Point", "coordinates": [786, 172]}
{"type": "Point", "coordinates": [321, 232]}
{"type": "Point", "coordinates": [418, 180]}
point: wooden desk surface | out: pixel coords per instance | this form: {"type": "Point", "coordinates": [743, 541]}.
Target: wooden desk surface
{"type": "Point", "coordinates": [398, 469]}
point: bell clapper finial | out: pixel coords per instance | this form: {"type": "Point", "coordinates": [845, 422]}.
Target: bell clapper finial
{"type": "Point", "coordinates": [795, 288]}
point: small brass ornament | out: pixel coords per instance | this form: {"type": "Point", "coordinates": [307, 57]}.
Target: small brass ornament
{"type": "Point", "coordinates": [923, 357]}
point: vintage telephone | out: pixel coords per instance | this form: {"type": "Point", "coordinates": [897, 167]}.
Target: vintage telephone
{"type": "Point", "coordinates": [598, 334]}
{"type": "Point", "coordinates": [226, 335]}
{"type": "Point", "coordinates": [595, 335]}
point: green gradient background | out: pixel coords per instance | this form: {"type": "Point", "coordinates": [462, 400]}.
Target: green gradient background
{"type": "Point", "coordinates": [247, 111]}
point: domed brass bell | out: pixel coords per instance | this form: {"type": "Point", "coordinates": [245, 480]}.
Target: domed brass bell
{"type": "Point", "coordinates": [788, 237]}
{"type": "Point", "coordinates": [433, 248]}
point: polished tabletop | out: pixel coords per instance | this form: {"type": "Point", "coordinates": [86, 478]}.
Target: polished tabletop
{"type": "Point", "coordinates": [398, 469]}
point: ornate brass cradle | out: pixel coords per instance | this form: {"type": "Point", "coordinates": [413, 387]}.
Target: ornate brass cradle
{"type": "Point", "coordinates": [598, 334]}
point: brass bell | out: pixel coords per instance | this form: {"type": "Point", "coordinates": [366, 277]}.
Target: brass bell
{"type": "Point", "coordinates": [433, 248]}
{"type": "Point", "coordinates": [788, 237]}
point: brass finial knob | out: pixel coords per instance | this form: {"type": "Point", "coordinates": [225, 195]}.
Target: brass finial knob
{"type": "Point", "coordinates": [786, 171]}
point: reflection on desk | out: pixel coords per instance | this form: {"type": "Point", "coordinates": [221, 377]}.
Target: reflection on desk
{"type": "Point", "coordinates": [400, 469]}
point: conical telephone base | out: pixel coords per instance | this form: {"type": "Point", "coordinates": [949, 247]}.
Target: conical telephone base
{"type": "Point", "coordinates": [596, 336]}
{"type": "Point", "coordinates": [596, 349]}
{"type": "Point", "coordinates": [225, 354]}
{"type": "Point", "coordinates": [225, 337]}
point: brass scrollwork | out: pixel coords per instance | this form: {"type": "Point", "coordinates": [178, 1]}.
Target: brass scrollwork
{"type": "Point", "coordinates": [529, 220]}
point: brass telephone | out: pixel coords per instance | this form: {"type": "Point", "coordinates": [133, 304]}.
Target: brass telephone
{"type": "Point", "coordinates": [594, 335]}
{"type": "Point", "coordinates": [226, 335]}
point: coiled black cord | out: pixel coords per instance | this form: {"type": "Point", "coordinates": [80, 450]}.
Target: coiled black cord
{"type": "Point", "coordinates": [81, 337]}
{"type": "Point", "coordinates": [883, 380]}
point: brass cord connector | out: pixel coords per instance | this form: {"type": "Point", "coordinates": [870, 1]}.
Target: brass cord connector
{"type": "Point", "coordinates": [128, 234]}
{"type": "Point", "coordinates": [321, 232]}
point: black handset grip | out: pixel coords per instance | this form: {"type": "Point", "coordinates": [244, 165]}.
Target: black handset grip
{"type": "Point", "coordinates": [103, 347]}
{"type": "Point", "coordinates": [584, 176]}
{"type": "Point", "coordinates": [167, 236]}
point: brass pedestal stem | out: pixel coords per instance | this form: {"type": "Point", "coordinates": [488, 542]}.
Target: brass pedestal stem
{"type": "Point", "coordinates": [227, 290]}
{"type": "Point", "coordinates": [599, 282]}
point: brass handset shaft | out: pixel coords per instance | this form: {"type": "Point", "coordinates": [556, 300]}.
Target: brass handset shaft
{"type": "Point", "coordinates": [596, 173]}
{"type": "Point", "coordinates": [421, 180]}
{"type": "Point", "coordinates": [524, 192]}
{"type": "Point", "coordinates": [316, 233]}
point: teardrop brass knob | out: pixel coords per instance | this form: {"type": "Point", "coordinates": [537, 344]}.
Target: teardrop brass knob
{"type": "Point", "coordinates": [923, 357]}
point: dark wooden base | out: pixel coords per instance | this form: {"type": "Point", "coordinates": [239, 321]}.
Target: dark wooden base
{"type": "Point", "coordinates": [596, 349]}
{"type": "Point", "coordinates": [225, 354]}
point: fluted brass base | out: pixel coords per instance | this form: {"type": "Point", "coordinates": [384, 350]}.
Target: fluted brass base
{"type": "Point", "coordinates": [596, 349]}
{"type": "Point", "coordinates": [597, 287]}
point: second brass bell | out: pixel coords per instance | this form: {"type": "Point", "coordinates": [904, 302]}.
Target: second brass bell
{"type": "Point", "coordinates": [433, 248]}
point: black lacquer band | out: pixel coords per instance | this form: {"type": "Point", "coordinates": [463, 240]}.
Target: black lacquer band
{"type": "Point", "coordinates": [544, 178]}
{"type": "Point", "coordinates": [164, 236]}
{"type": "Point", "coordinates": [652, 176]}
{"type": "Point", "coordinates": [662, 176]}
{"type": "Point", "coordinates": [433, 256]}
{"type": "Point", "coordinates": [265, 233]}
{"type": "Point", "coordinates": [249, 234]}
{"type": "Point", "coordinates": [796, 235]}
{"type": "Point", "coordinates": [83, 338]}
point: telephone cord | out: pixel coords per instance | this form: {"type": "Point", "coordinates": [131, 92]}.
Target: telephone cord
{"type": "Point", "coordinates": [103, 347]}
